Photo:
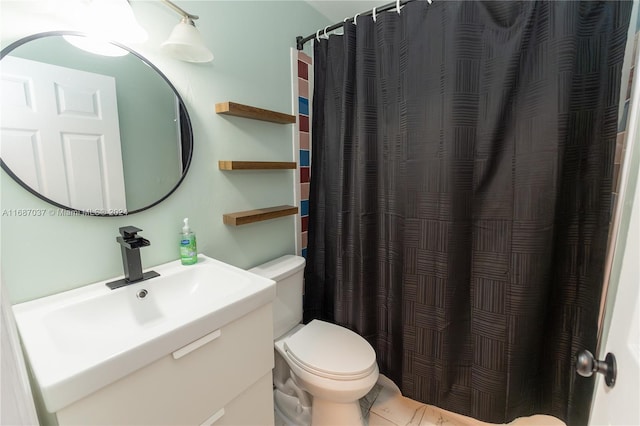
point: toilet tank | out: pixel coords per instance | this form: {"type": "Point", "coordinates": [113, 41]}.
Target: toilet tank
{"type": "Point", "coordinates": [288, 272]}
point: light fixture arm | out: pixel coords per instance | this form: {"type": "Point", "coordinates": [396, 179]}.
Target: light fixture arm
{"type": "Point", "coordinates": [180, 10]}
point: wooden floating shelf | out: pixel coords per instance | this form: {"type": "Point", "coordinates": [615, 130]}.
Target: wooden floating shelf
{"type": "Point", "coordinates": [255, 165]}
{"type": "Point", "coordinates": [246, 111]}
{"type": "Point", "coordinates": [251, 216]}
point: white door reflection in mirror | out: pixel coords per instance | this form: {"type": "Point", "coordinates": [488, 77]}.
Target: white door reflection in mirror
{"type": "Point", "coordinates": [60, 134]}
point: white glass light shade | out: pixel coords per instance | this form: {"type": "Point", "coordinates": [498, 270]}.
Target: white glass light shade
{"type": "Point", "coordinates": [95, 45]}
{"type": "Point", "coordinates": [186, 43]}
{"type": "Point", "coordinates": [104, 21]}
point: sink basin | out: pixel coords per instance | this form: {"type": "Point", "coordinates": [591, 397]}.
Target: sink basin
{"type": "Point", "coordinates": [84, 339]}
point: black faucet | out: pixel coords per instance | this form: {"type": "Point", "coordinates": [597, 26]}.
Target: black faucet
{"type": "Point", "coordinates": [130, 244]}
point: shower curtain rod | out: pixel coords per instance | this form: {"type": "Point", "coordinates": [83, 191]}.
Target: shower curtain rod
{"type": "Point", "coordinates": [300, 41]}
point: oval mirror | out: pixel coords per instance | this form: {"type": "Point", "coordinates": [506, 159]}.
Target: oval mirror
{"type": "Point", "coordinates": [99, 135]}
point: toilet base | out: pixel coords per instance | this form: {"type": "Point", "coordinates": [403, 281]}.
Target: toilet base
{"type": "Point", "coordinates": [289, 411]}
{"type": "Point", "coordinates": [329, 413]}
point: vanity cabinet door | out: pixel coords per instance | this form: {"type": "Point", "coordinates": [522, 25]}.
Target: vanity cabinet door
{"type": "Point", "coordinates": [248, 409]}
{"type": "Point", "coordinates": [208, 379]}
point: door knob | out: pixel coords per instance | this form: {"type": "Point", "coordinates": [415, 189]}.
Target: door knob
{"type": "Point", "coordinates": [587, 364]}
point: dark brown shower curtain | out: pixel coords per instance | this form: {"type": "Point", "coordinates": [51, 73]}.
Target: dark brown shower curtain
{"type": "Point", "coordinates": [460, 196]}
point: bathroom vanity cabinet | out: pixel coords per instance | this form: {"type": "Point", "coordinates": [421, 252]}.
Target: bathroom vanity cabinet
{"type": "Point", "coordinates": [221, 379]}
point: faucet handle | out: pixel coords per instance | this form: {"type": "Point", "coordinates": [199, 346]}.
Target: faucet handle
{"type": "Point", "coordinates": [129, 231]}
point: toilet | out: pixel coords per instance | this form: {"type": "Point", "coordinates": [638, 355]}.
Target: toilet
{"type": "Point", "coordinates": [321, 369]}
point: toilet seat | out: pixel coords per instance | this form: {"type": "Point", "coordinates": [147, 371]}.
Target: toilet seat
{"type": "Point", "coordinates": [330, 351]}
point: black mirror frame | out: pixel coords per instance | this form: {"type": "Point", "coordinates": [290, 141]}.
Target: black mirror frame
{"type": "Point", "coordinates": [183, 115]}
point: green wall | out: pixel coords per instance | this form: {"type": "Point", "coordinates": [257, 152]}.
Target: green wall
{"type": "Point", "coordinates": [251, 41]}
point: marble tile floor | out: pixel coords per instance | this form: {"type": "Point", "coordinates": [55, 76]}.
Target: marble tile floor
{"type": "Point", "coordinates": [386, 406]}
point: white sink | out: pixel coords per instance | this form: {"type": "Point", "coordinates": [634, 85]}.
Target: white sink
{"type": "Point", "coordinates": [84, 339]}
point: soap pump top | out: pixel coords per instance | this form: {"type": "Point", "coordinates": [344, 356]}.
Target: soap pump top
{"type": "Point", "coordinates": [185, 228]}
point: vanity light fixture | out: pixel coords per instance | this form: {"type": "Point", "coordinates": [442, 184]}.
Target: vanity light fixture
{"type": "Point", "coordinates": [185, 42]}
{"type": "Point", "coordinates": [98, 18]}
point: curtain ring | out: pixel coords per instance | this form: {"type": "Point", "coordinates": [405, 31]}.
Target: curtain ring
{"type": "Point", "coordinates": [325, 32]}
{"type": "Point", "coordinates": [318, 36]}
{"type": "Point", "coordinates": [398, 6]}
{"type": "Point", "coordinates": [355, 19]}
{"type": "Point", "coordinates": [374, 14]}
{"type": "Point", "coordinates": [344, 21]}
{"type": "Point", "coordinates": [429, 1]}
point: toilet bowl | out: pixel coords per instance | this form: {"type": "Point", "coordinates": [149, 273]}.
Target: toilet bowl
{"type": "Point", "coordinates": [321, 369]}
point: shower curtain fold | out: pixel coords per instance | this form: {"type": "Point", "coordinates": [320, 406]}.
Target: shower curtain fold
{"type": "Point", "coordinates": [460, 196]}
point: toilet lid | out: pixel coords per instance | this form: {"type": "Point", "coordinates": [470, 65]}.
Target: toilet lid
{"type": "Point", "coordinates": [331, 351]}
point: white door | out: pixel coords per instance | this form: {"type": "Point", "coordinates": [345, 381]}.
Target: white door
{"type": "Point", "coordinates": [620, 405]}
{"type": "Point", "coordinates": [60, 134]}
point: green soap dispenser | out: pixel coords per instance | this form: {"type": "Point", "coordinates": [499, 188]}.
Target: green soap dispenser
{"type": "Point", "coordinates": [188, 249]}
